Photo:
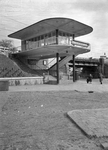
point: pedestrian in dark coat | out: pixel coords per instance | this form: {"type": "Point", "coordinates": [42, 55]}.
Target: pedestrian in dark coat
{"type": "Point", "coordinates": [100, 78]}
{"type": "Point", "coordinates": [89, 78]}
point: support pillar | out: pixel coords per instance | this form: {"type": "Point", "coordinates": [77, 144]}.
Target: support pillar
{"type": "Point", "coordinates": [56, 36]}
{"type": "Point", "coordinates": [57, 56]}
{"type": "Point", "coordinates": [73, 63]}
{"type": "Point", "coordinates": [73, 68]}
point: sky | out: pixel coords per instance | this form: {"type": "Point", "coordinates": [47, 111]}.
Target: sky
{"type": "Point", "coordinates": [17, 14]}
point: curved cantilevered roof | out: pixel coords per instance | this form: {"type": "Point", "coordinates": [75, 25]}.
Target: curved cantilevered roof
{"type": "Point", "coordinates": [47, 25]}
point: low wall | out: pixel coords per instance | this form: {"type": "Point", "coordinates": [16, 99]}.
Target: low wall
{"type": "Point", "coordinates": [4, 85]}
{"type": "Point", "coordinates": [24, 81]}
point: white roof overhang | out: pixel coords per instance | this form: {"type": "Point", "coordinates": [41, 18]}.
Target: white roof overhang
{"type": "Point", "coordinates": [47, 25]}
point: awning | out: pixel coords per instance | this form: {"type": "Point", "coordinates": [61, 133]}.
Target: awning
{"type": "Point", "coordinates": [47, 25]}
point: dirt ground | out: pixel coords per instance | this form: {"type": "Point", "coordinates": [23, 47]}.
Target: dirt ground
{"type": "Point", "coordinates": [38, 121]}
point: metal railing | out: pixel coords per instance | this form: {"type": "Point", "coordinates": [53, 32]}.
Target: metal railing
{"type": "Point", "coordinates": [52, 62]}
{"type": "Point", "coordinates": [80, 44]}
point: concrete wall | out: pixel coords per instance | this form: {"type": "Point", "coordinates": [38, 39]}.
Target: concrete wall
{"type": "Point", "coordinates": [39, 65]}
{"type": "Point", "coordinates": [24, 81]}
{"type": "Point", "coordinates": [4, 85]}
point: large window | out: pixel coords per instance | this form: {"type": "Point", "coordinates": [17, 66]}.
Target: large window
{"type": "Point", "coordinates": [48, 39]}
{"type": "Point", "coordinates": [64, 38]}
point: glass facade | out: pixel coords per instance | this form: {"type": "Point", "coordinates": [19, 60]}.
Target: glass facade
{"type": "Point", "coordinates": [47, 39]}
{"type": "Point", "coordinates": [64, 38]}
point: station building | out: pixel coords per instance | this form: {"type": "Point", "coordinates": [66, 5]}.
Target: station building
{"type": "Point", "coordinates": [48, 45]}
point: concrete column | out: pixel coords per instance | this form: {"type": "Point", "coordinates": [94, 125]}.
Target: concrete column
{"type": "Point", "coordinates": [73, 36]}
{"type": "Point", "coordinates": [73, 63]}
{"type": "Point", "coordinates": [73, 68]}
{"type": "Point", "coordinates": [57, 56]}
{"type": "Point", "coordinates": [56, 36]}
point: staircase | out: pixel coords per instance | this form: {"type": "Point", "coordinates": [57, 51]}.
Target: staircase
{"type": "Point", "coordinates": [24, 67]}
{"type": "Point", "coordinates": [51, 79]}
{"type": "Point", "coordinates": [62, 62]}
{"type": "Point", "coordinates": [8, 68]}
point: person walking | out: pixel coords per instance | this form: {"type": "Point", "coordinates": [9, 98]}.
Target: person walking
{"type": "Point", "coordinates": [89, 78]}
{"type": "Point", "coordinates": [100, 78]}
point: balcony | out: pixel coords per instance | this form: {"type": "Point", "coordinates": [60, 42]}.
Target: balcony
{"type": "Point", "coordinates": [80, 44]}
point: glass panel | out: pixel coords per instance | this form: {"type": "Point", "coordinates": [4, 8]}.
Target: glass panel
{"type": "Point", "coordinates": [39, 41]}
{"type": "Point", "coordinates": [49, 35]}
{"type": "Point", "coordinates": [24, 45]}
{"type": "Point", "coordinates": [60, 33]}
{"type": "Point", "coordinates": [42, 42]}
{"type": "Point", "coordinates": [46, 41]}
{"type": "Point", "coordinates": [54, 33]}
{"type": "Point", "coordinates": [68, 40]}
{"type": "Point", "coordinates": [27, 45]}
{"type": "Point", "coordinates": [36, 44]}
{"type": "Point", "coordinates": [71, 39]}
{"type": "Point", "coordinates": [51, 40]}
{"type": "Point", "coordinates": [62, 40]}
{"type": "Point", "coordinates": [33, 44]}
{"type": "Point", "coordinates": [30, 44]}
{"type": "Point", "coordinates": [63, 34]}
{"type": "Point", "coordinates": [42, 37]}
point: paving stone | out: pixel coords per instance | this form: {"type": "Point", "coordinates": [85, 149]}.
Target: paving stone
{"type": "Point", "coordinates": [104, 145]}
{"type": "Point", "coordinates": [93, 122]}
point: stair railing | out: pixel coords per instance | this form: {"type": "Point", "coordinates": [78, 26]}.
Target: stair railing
{"type": "Point", "coordinates": [51, 63]}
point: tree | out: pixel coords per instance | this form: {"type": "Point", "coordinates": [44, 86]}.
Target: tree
{"type": "Point", "coordinates": [8, 45]}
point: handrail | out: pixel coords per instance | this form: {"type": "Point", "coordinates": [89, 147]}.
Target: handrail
{"type": "Point", "coordinates": [80, 43]}
{"type": "Point", "coordinates": [92, 59]}
{"type": "Point", "coordinates": [51, 62]}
